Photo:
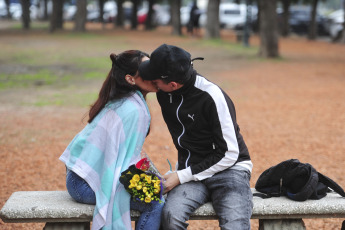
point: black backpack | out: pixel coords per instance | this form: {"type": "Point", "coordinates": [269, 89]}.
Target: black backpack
{"type": "Point", "coordinates": [296, 180]}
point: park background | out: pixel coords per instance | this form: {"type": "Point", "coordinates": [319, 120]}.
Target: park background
{"type": "Point", "coordinates": [288, 107]}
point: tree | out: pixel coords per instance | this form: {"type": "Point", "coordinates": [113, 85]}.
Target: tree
{"type": "Point", "coordinates": [56, 21]}
{"type": "Point", "coordinates": [176, 17]}
{"type": "Point", "coordinates": [45, 14]}
{"type": "Point", "coordinates": [120, 17]}
{"type": "Point", "coordinates": [312, 33]}
{"type": "Point", "coordinates": [148, 23]}
{"type": "Point", "coordinates": [25, 13]}
{"type": "Point", "coordinates": [343, 38]}
{"type": "Point", "coordinates": [9, 15]}
{"type": "Point", "coordinates": [285, 26]}
{"type": "Point", "coordinates": [268, 29]}
{"type": "Point", "coordinates": [80, 16]}
{"type": "Point", "coordinates": [101, 10]}
{"type": "Point", "coordinates": [212, 24]}
{"type": "Point", "coordinates": [134, 16]}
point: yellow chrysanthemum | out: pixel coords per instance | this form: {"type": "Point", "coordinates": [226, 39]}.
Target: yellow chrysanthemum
{"type": "Point", "coordinates": [133, 183]}
{"type": "Point", "coordinates": [148, 179]}
{"type": "Point", "coordinates": [144, 189]}
{"type": "Point", "coordinates": [139, 187]}
{"type": "Point", "coordinates": [156, 185]}
{"type": "Point", "coordinates": [156, 191]}
{"type": "Point", "coordinates": [136, 177]}
{"type": "Point", "coordinates": [142, 175]}
{"type": "Point", "coordinates": [147, 199]}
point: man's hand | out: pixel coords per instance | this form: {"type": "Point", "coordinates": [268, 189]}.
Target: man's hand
{"type": "Point", "coordinates": [171, 181]}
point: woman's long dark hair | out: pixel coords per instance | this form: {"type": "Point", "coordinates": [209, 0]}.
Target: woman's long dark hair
{"type": "Point", "coordinates": [115, 85]}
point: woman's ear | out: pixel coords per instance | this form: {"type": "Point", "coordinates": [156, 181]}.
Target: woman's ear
{"type": "Point", "coordinates": [130, 79]}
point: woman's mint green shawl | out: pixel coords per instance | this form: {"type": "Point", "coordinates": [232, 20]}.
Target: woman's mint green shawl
{"type": "Point", "coordinates": [102, 150]}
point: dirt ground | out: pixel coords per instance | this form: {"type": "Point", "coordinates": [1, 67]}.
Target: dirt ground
{"type": "Point", "coordinates": [293, 107]}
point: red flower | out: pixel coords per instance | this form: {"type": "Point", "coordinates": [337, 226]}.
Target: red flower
{"type": "Point", "coordinates": [143, 164]}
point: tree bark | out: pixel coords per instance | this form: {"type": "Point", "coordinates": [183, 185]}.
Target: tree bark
{"type": "Point", "coordinates": [25, 14]}
{"type": "Point", "coordinates": [45, 14]}
{"type": "Point", "coordinates": [56, 21]}
{"type": "Point", "coordinates": [285, 29]}
{"type": "Point", "coordinates": [119, 17]}
{"type": "Point", "coordinates": [212, 24]}
{"type": "Point", "coordinates": [176, 17]}
{"type": "Point", "coordinates": [268, 29]}
{"type": "Point", "coordinates": [101, 10]}
{"type": "Point", "coordinates": [9, 15]}
{"type": "Point", "coordinates": [343, 37]}
{"type": "Point", "coordinates": [149, 23]}
{"type": "Point", "coordinates": [312, 34]}
{"type": "Point", "coordinates": [134, 17]}
{"type": "Point", "coordinates": [80, 16]}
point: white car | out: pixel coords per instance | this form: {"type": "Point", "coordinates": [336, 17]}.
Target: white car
{"type": "Point", "coordinates": [336, 24]}
{"type": "Point", "coordinates": [232, 15]}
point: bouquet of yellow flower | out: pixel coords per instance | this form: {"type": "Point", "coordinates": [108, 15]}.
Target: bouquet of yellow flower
{"type": "Point", "coordinates": [143, 184]}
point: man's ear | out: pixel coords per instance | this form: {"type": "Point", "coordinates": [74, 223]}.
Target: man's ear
{"type": "Point", "coordinates": [174, 85]}
{"type": "Point", "coordinates": [130, 79]}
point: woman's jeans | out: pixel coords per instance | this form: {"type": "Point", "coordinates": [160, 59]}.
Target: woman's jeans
{"type": "Point", "coordinates": [80, 191]}
{"type": "Point", "coordinates": [229, 191]}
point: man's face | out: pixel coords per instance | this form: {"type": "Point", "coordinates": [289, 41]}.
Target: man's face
{"type": "Point", "coordinates": [166, 87]}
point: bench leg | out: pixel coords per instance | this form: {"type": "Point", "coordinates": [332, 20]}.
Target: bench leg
{"type": "Point", "coordinates": [67, 226]}
{"type": "Point", "coordinates": [284, 224]}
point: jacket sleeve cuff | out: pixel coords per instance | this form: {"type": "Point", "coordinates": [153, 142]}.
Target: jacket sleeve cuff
{"type": "Point", "coordinates": [185, 175]}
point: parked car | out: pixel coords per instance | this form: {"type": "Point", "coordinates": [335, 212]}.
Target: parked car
{"type": "Point", "coordinates": [336, 24]}
{"type": "Point", "coordinates": [234, 16]}
{"type": "Point", "coordinates": [300, 19]}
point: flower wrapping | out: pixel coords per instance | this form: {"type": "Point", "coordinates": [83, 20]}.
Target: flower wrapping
{"type": "Point", "coordinates": [141, 183]}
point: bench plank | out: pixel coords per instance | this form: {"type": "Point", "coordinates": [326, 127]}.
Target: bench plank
{"type": "Point", "coordinates": [58, 206]}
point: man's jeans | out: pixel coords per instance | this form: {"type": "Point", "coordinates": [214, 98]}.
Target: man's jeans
{"type": "Point", "coordinates": [229, 192]}
{"type": "Point", "coordinates": [80, 191]}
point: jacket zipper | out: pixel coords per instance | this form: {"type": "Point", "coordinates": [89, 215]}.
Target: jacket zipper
{"type": "Point", "coordinates": [170, 98]}
{"type": "Point", "coordinates": [178, 139]}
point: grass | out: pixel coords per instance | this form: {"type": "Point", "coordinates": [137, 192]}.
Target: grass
{"type": "Point", "coordinates": [62, 99]}
{"type": "Point", "coordinates": [42, 77]}
{"type": "Point", "coordinates": [67, 58]}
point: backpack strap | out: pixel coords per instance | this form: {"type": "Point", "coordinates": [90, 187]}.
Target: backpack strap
{"type": "Point", "coordinates": [331, 184]}
{"type": "Point", "coordinates": [308, 188]}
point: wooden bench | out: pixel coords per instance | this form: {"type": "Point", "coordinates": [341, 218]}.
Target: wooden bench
{"type": "Point", "coordinates": [59, 211]}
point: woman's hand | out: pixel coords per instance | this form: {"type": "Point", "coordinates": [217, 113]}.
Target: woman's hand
{"type": "Point", "coordinates": [170, 181]}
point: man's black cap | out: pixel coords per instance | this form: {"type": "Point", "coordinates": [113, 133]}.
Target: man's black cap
{"type": "Point", "coordinates": [166, 62]}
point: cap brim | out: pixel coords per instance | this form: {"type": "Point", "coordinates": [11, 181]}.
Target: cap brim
{"type": "Point", "coordinates": [145, 71]}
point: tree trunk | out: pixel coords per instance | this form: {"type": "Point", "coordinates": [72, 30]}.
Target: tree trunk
{"type": "Point", "coordinates": [285, 26]}
{"type": "Point", "coordinates": [149, 23]}
{"type": "Point", "coordinates": [212, 24]}
{"type": "Point", "coordinates": [313, 25]}
{"type": "Point", "coordinates": [134, 16]}
{"type": "Point", "coordinates": [45, 14]}
{"type": "Point", "coordinates": [101, 10]}
{"type": "Point", "coordinates": [343, 38]}
{"type": "Point", "coordinates": [56, 21]}
{"type": "Point", "coordinates": [80, 16]}
{"type": "Point", "coordinates": [25, 14]}
{"type": "Point", "coordinates": [119, 17]}
{"type": "Point", "coordinates": [9, 15]}
{"type": "Point", "coordinates": [268, 29]}
{"type": "Point", "coordinates": [176, 17]}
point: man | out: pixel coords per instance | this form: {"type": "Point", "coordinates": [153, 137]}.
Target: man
{"type": "Point", "coordinates": [213, 159]}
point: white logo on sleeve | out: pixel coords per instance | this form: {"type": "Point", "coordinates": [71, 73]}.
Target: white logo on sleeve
{"type": "Point", "coordinates": [191, 116]}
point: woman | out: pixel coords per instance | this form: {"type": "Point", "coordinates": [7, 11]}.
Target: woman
{"type": "Point", "coordinates": [118, 123]}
